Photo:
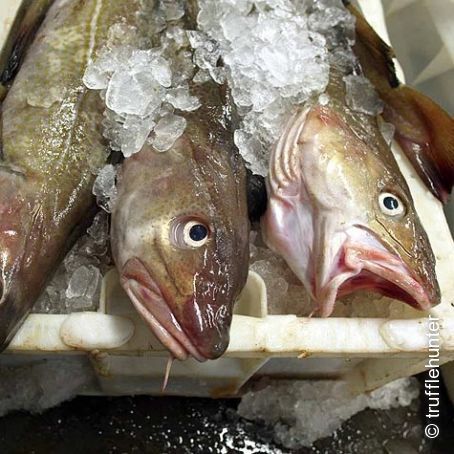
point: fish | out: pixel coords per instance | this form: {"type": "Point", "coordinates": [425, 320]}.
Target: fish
{"type": "Point", "coordinates": [339, 210]}
{"type": "Point", "coordinates": [52, 146]}
{"type": "Point", "coordinates": [424, 130]}
{"type": "Point", "coordinates": [180, 232]}
{"type": "Point", "coordinates": [26, 23]}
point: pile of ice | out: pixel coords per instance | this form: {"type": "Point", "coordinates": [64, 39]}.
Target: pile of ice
{"type": "Point", "coordinates": [42, 384]}
{"type": "Point", "coordinates": [274, 61]}
{"type": "Point", "coordinates": [276, 56]}
{"type": "Point", "coordinates": [302, 412]}
{"type": "Point", "coordinates": [142, 87]}
{"type": "Point", "coordinates": [76, 284]}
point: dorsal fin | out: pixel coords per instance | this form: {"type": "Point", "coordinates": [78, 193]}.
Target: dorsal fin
{"type": "Point", "coordinates": [423, 129]}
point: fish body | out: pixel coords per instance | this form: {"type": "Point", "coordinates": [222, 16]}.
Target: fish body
{"type": "Point", "coordinates": [340, 211]}
{"type": "Point", "coordinates": [424, 130]}
{"type": "Point", "coordinates": [180, 232]}
{"type": "Point", "coordinates": [52, 147]}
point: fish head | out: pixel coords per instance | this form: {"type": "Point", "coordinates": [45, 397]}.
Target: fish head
{"type": "Point", "coordinates": [180, 241]}
{"type": "Point", "coordinates": [342, 215]}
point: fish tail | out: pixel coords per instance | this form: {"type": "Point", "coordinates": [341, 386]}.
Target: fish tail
{"type": "Point", "coordinates": [426, 134]}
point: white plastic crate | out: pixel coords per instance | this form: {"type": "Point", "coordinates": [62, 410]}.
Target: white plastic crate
{"type": "Point", "coordinates": [367, 352]}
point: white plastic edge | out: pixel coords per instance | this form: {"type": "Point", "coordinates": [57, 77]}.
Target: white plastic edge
{"type": "Point", "coordinates": [284, 335]}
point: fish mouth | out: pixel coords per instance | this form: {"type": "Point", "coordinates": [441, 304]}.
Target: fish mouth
{"type": "Point", "coordinates": [370, 266]}
{"type": "Point", "coordinates": [149, 301]}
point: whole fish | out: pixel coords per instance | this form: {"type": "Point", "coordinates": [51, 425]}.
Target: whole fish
{"type": "Point", "coordinates": [341, 213]}
{"type": "Point", "coordinates": [423, 129]}
{"type": "Point", "coordinates": [52, 146]}
{"type": "Point", "coordinates": [180, 232]}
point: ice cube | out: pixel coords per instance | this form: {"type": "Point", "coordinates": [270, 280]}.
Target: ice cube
{"type": "Point", "coordinates": [387, 130]}
{"type": "Point", "coordinates": [252, 151]}
{"type": "Point", "coordinates": [173, 9]}
{"type": "Point", "coordinates": [161, 71]}
{"type": "Point", "coordinates": [83, 287]}
{"type": "Point", "coordinates": [177, 35]}
{"type": "Point", "coordinates": [201, 76]}
{"type": "Point", "coordinates": [234, 26]}
{"type": "Point", "coordinates": [98, 232]}
{"type": "Point", "coordinates": [131, 92]}
{"type": "Point", "coordinates": [167, 131]}
{"type": "Point", "coordinates": [134, 133]}
{"type": "Point", "coordinates": [207, 54]}
{"type": "Point", "coordinates": [181, 99]}
{"type": "Point", "coordinates": [104, 187]}
{"type": "Point", "coordinates": [361, 95]}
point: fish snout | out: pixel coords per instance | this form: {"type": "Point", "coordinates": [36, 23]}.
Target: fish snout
{"type": "Point", "coordinates": [207, 325]}
{"type": "Point", "coordinates": [188, 326]}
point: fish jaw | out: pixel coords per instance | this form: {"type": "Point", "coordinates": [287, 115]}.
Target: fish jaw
{"type": "Point", "coordinates": [182, 325]}
{"type": "Point", "coordinates": [364, 263]}
{"type": "Point", "coordinates": [329, 229]}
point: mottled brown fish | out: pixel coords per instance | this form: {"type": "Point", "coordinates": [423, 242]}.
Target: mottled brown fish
{"type": "Point", "coordinates": [180, 232]}
{"type": "Point", "coordinates": [341, 213]}
{"type": "Point", "coordinates": [52, 146]}
{"type": "Point", "coordinates": [423, 129]}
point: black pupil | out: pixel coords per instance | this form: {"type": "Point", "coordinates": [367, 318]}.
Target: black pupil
{"type": "Point", "coordinates": [391, 203]}
{"type": "Point", "coordinates": [198, 232]}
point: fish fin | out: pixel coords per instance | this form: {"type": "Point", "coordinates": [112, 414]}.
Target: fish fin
{"type": "Point", "coordinates": [423, 129]}
{"type": "Point", "coordinates": [375, 56]}
{"type": "Point", "coordinates": [23, 30]}
{"type": "Point", "coordinates": [426, 134]}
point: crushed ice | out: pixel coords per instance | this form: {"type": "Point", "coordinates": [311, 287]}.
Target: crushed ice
{"type": "Point", "coordinates": [42, 384]}
{"type": "Point", "coordinates": [136, 83]}
{"type": "Point", "coordinates": [276, 56]}
{"type": "Point", "coordinates": [76, 284]}
{"type": "Point", "coordinates": [104, 187]}
{"type": "Point", "coordinates": [302, 412]}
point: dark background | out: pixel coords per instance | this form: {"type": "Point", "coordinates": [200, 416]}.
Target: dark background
{"type": "Point", "coordinates": [145, 424]}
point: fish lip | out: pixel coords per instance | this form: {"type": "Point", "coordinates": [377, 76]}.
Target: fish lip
{"type": "Point", "coordinates": [155, 310]}
{"type": "Point", "coordinates": [384, 267]}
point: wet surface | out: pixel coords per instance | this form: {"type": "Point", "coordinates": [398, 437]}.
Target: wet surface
{"type": "Point", "coordinates": [145, 424]}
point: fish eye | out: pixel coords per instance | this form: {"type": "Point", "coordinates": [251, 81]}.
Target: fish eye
{"type": "Point", "coordinates": [390, 204]}
{"type": "Point", "coordinates": [195, 234]}
{"type": "Point", "coordinates": [190, 233]}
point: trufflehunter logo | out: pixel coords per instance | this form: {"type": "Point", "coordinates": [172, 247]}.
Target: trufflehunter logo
{"type": "Point", "coordinates": [432, 384]}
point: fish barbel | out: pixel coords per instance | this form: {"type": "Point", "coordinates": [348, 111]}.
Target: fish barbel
{"type": "Point", "coordinates": [341, 213]}
{"type": "Point", "coordinates": [52, 147]}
